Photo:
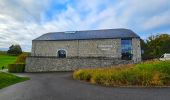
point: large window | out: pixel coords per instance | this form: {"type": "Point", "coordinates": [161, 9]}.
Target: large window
{"type": "Point", "coordinates": [62, 54]}
{"type": "Point", "coordinates": [126, 47]}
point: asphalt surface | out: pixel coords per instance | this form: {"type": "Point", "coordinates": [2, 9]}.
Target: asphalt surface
{"type": "Point", "coordinates": [61, 86]}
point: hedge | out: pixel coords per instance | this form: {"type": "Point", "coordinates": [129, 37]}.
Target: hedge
{"type": "Point", "coordinates": [16, 68]}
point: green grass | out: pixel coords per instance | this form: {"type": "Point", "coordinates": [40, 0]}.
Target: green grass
{"type": "Point", "coordinates": [7, 79]}
{"type": "Point", "coordinates": [6, 59]}
{"type": "Point", "coordinates": [150, 73]}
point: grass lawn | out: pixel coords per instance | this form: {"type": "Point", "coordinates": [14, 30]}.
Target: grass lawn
{"type": "Point", "coordinates": [150, 73]}
{"type": "Point", "coordinates": [7, 79]}
{"type": "Point", "coordinates": [6, 59]}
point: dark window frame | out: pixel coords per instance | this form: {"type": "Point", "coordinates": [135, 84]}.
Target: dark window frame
{"type": "Point", "coordinates": [126, 49]}
{"type": "Point", "coordinates": [61, 53]}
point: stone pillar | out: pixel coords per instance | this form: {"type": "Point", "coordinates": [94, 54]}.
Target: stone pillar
{"type": "Point", "coordinates": [136, 50]}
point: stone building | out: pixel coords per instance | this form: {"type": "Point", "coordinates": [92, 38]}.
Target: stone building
{"type": "Point", "coordinates": [70, 50]}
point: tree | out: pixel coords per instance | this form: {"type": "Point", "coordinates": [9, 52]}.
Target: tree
{"type": "Point", "coordinates": [143, 48]}
{"type": "Point", "coordinates": [14, 50]}
{"type": "Point", "coordinates": [155, 46]}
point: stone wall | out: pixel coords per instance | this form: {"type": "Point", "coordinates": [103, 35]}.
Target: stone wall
{"type": "Point", "coordinates": [45, 64]}
{"type": "Point", "coordinates": [81, 48]}
{"type": "Point", "coordinates": [136, 50]}
{"type": "Point", "coordinates": [100, 48]}
{"type": "Point", "coordinates": [50, 48]}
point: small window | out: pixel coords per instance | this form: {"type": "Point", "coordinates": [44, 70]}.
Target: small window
{"type": "Point", "coordinates": [62, 54]}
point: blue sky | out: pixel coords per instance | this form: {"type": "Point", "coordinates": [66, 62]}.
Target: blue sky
{"type": "Point", "coordinates": [23, 20]}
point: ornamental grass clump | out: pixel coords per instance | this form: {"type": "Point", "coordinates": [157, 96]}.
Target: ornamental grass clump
{"type": "Point", "coordinates": [150, 73]}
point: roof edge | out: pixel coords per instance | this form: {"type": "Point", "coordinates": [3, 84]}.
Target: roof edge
{"type": "Point", "coordinates": [59, 32]}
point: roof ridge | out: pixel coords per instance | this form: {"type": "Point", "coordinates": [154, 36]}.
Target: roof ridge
{"type": "Point", "coordinates": [92, 30]}
{"type": "Point", "coordinates": [89, 34]}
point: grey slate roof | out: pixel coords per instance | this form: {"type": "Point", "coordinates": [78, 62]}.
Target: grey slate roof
{"type": "Point", "coordinates": [87, 35]}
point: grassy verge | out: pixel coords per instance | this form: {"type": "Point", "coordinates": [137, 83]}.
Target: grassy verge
{"type": "Point", "coordinates": [7, 79]}
{"type": "Point", "coordinates": [6, 59]}
{"type": "Point", "coordinates": [150, 73]}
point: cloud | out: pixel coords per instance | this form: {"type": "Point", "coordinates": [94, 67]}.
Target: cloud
{"type": "Point", "coordinates": [24, 20]}
{"type": "Point", "coordinates": [157, 21]}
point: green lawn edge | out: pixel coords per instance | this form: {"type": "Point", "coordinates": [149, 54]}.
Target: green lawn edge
{"type": "Point", "coordinates": [6, 59]}
{"type": "Point", "coordinates": [7, 79]}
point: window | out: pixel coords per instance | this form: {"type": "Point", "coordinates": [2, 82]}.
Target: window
{"type": "Point", "coordinates": [126, 47]}
{"type": "Point", "coordinates": [62, 54]}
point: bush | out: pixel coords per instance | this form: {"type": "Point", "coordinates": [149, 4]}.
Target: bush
{"type": "Point", "coordinates": [83, 75]}
{"type": "Point", "coordinates": [16, 68]}
{"type": "Point", "coordinates": [22, 58]}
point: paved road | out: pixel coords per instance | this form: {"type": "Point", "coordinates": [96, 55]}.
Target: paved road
{"type": "Point", "coordinates": [60, 86]}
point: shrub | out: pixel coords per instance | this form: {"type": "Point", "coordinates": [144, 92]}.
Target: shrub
{"type": "Point", "coordinates": [22, 58]}
{"type": "Point", "coordinates": [82, 75]}
{"type": "Point", "coordinates": [16, 68]}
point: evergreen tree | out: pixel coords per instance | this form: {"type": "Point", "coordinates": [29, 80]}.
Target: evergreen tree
{"type": "Point", "coordinates": [14, 50]}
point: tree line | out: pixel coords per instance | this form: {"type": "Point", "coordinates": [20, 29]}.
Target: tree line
{"type": "Point", "coordinates": [155, 46]}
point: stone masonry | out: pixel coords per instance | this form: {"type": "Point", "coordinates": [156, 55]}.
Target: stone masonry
{"type": "Point", "coordinates": [79, 48]}
{"type": "Point", "coordinates": [80, 54]}
{"type": "Point", "coordinates": [45, 64]}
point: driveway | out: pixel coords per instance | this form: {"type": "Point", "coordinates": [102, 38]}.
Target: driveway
{"type": "Point", "coordinates": [60, 86]}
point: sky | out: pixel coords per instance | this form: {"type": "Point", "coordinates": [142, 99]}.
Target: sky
{"type": "Point", "coordinates": [21, 21]}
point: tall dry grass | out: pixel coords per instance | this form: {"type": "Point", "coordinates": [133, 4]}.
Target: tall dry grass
{"type": "Point", "coordinates": [150, 73]}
